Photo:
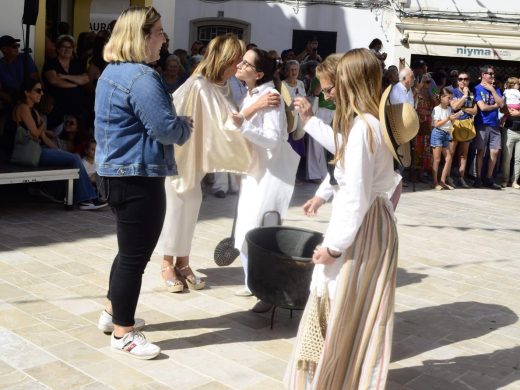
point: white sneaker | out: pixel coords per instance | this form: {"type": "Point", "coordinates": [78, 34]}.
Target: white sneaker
{"type": "Point", "coordinates": [134, 344]}
{"type": "Point", "coordinates": [106, 325]}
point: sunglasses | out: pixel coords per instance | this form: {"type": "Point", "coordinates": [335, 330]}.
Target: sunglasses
{"type": "Point", "coordinates": [38, 90]}
{"type": "Point", "coordinates": [490, 73]}
{"type": "Point", "coordinates": [463, 79]}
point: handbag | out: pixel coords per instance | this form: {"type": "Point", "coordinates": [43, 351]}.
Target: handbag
{"type": "Point", "coordinates": [26, 150]}
{"type": "Point", "coordinates": [463, 130]}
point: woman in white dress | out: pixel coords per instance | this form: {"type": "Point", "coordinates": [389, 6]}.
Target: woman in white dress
{"type": "Point", "coordinates": [345, 334]}
{"type": "Point", "coordinates": [269, 182]}
{"type": "Point", "coordinates": [216, 145]}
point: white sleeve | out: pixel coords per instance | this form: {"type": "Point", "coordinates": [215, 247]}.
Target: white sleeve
{"type": "Point", "coordinates": [355, 192]}
{"type": "Point", "coordinates": [321, 132]}
{"type": "Point", "coordinates": [325, 190]}
{"type": "Point", "coordinates": [264, 128]}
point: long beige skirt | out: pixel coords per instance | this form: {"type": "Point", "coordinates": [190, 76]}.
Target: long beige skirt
{"type": "Point", "coordinates": [357, 333]}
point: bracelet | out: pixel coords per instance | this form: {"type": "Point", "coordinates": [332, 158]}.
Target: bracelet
{"type": "Point", "coordinates": [334, 255]}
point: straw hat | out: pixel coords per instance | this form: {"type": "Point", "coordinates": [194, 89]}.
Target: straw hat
{"type": "Point", "coordinates": [399, 125]}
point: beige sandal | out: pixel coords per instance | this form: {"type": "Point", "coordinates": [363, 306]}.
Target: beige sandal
{"type": "Point", "coordinates": [173, 285]}
{"type": "Point", "coordinates": [191, 281]}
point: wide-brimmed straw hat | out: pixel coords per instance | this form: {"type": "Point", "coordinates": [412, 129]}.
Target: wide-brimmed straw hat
{"type": "Point", "coordinates": [399, 125]}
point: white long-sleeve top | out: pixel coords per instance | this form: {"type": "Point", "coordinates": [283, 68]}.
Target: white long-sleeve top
{"type": "Point", "coordinates": [361, 176]}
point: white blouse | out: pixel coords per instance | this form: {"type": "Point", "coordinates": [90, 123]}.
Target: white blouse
{"type": "Point", "coordinates": [362, 175]}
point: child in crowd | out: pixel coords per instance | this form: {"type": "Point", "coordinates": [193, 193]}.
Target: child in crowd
{"type": "Point", "coordinates": [442, 116]}
{"type": "Point", "coordinates": [512, 95]}
{"type": "Point", "coordinates": [88, 155]}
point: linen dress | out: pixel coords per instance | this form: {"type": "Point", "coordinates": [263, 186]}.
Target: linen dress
{"type": "Point", "coordinates": [359, 287]}
{"type": "Point", "coordinates": [269, 182]}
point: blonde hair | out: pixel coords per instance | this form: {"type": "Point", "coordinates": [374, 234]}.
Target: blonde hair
{"type": "Point", "coordinates": [358, 91]}
{"type": "Point", "coordinates": [511, 81]}
{"type": "Point", "coordinates": [221, 53]}
{"type": "Point", "coordinates": [329, 67]}
{"type": "Point", "coordinates": [128, 40]}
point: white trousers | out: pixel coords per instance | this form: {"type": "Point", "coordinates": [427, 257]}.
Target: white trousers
{"type": "Point", "coordinates": [182, 213]}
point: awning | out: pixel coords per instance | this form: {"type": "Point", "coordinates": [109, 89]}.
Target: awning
{"type": "Point", "coordinates": [462, 40]}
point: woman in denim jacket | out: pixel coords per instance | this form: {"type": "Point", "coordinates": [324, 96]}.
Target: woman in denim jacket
{"type": "Point", "coordinates": [135, 130]}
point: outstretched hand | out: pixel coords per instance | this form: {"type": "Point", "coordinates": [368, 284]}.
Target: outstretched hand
{"type": "Point", "coordinates": [310, 208]}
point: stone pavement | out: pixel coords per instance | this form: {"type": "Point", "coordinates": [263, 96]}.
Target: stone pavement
{"type": "Point", "coordinates": [457, 301]}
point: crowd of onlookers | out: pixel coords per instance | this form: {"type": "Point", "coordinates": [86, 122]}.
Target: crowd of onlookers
{"type": "Point", "coordinates": [471, 121]}
{"type": "Point", "coordinates": [443, 99]}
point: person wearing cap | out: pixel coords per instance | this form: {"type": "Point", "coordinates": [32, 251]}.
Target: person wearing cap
{"type": "Point", "coordinates": [65, 76]}
{"type": "Point", "coordinates": [12, 68]}
{"type": "Point", "coordinates": [352, 290]}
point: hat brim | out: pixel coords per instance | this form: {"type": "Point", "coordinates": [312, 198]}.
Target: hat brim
{"type": "Point", "coordinates": [385, 127]}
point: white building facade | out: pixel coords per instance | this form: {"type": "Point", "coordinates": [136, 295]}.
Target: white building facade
{"type": "Point", "coordinates": [444, 29]}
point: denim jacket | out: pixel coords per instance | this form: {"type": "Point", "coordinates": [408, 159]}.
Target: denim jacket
{"type": "Point", "coordinates": [136, 124]}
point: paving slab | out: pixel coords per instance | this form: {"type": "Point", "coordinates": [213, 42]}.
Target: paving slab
{"type": "Point", "coordinates": [457, 305]}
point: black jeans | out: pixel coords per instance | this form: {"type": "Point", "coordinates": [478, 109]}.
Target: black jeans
{"type": "Point", "coordinates": [139, 204]}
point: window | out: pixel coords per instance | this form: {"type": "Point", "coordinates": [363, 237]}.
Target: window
{"type": "Point", "coordinates": [208, 28]}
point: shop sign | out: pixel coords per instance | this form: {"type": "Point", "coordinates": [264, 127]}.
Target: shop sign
{"type": "Point", "coordinates": [479, 52]}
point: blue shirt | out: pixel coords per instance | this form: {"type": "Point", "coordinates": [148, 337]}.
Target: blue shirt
{"type": "Point", "coordinates": [11, 75]}
{"type": "Point", "coordinates": [486, 118]}
{"type": "Point", "coordinates": [136, 124]}
{"type": "Point", "coordinates": [457, 95]}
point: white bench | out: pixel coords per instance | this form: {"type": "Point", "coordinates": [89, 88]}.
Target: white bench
{"type": "Point", "coordinates": [13, 174]}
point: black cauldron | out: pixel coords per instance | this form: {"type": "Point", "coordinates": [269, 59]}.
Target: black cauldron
{"type": "Point", "coordinates": [280, 265]}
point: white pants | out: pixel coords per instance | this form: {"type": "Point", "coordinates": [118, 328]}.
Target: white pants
{"type": "Point", "coordinates": [182, 212]}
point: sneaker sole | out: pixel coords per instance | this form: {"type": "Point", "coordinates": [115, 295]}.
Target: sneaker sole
{"type": "Point", "coordinates": [121, 352]}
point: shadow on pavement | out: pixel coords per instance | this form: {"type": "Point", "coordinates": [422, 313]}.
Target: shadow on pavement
{"type": "Point", "coordinates": [426, 329]}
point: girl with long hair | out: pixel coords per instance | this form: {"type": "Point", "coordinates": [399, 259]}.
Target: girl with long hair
{"type": "Point", "coordinates": [345, 334]}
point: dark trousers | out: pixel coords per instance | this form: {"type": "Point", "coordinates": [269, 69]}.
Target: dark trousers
{"type": "Point", "coordinates": [139, 204]}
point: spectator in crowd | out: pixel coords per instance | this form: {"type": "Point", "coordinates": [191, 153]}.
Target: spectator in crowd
{"type": "Point", "coordinates": [454, 83]}
{"type": "Point", "coordinates": [251, 46]}
{"type": "Point", "coordinates": [462, 101]}
{"type": "Point", "coordinates": [173, 73]}
{"type": "Point", "coordinates": [165, 53]}
{"type": "Point", "coordinates": [88, 155]}
{"type": "Point", "coordinates": [136, 127]}
{"type": "Point", "coordinates": [402, 91]}
{"type": "Point", "coordinates": [310, 52]}
{"type": "Point", "coordinates": [12, 68]}
{"type": "Point", "coordinates": [489, 101]}
{"type": "Point", "coordinates": [424, 107]}
{"type": "Point", "coordinates": [97, 64]}
{"type": "Point", "coordinates": [85, 46]}
{"type": "Point", "coordinates": [195, 48]}
{"type": "Point", "coordinates": [27, 116]}
{"type": "Point", "coordinates": [183, 57]}
{"type": "Point", "coordinates": [376, 46]}
{"type": "Point", "coordinates": [65, 78]}
{"type": "Point", "coordinates": [512, 134]}
{"type": "Point", "coordinates": [74, 135]}
{"type": "Point", "coordinates": [295, 88]}
{"type": "Point", "coordinates": [442, 118]}
{"type": "Point", "coordinates": [391, 76]}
